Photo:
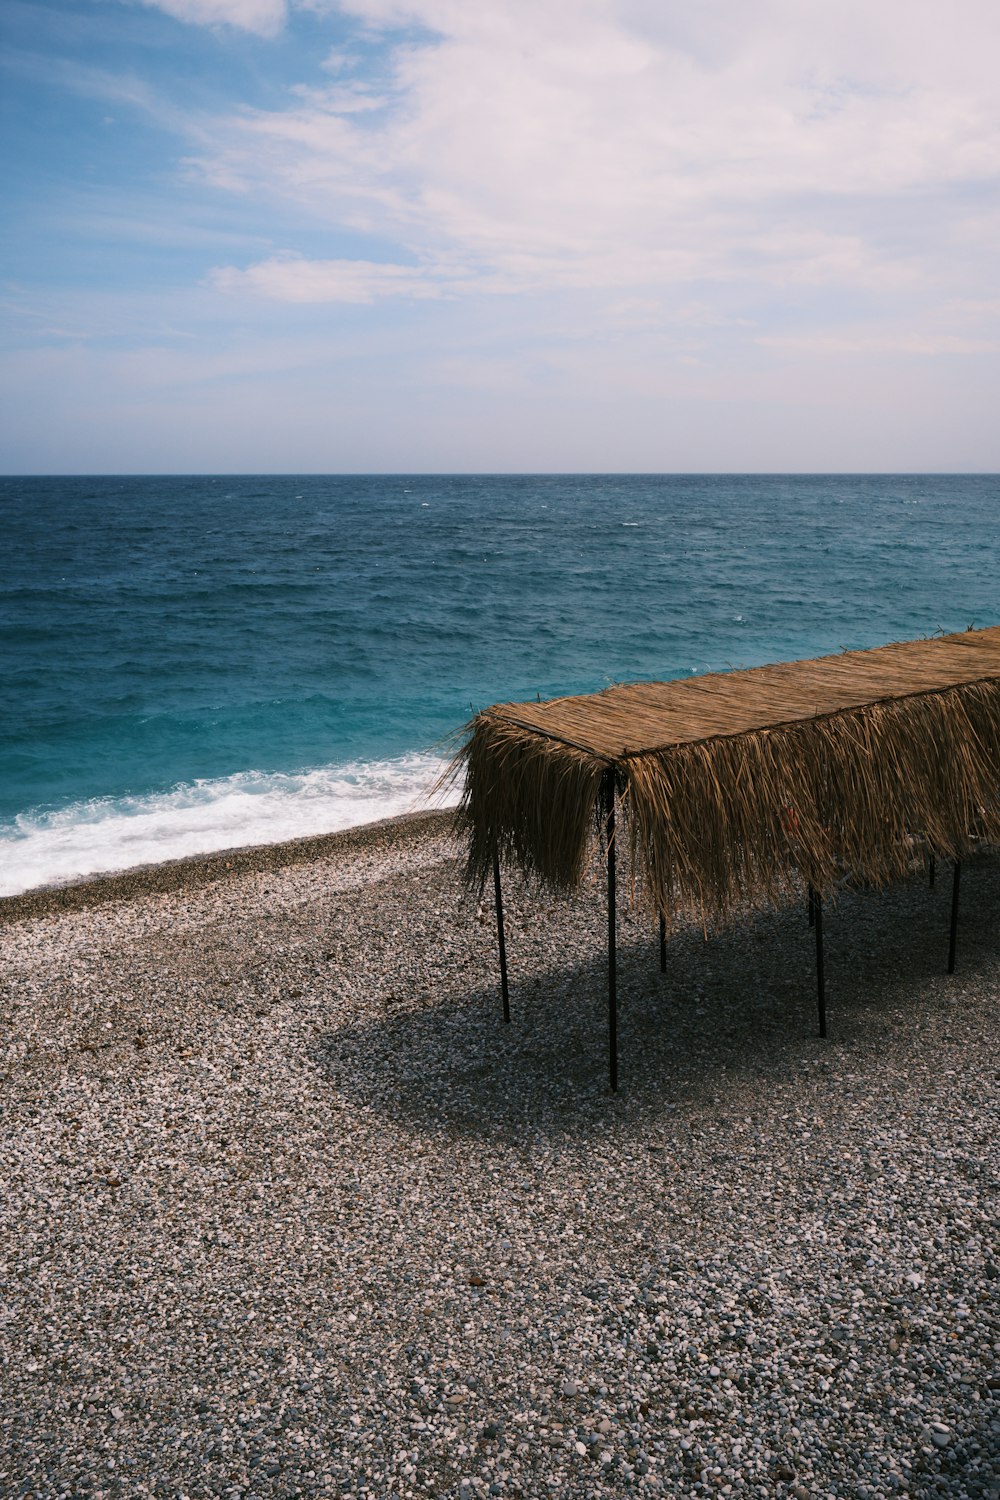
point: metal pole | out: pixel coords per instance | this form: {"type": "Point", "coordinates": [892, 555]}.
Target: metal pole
{"type": "Point", "coordinates": [812, 906]}
{"type": "Point", "coordinates": [953, 938]}
{"type": "Point", "coordinates": [817, 902]}
{"type": "Point", "coordinates": [930, 869]}
{"type": "Point", "coordinates": [500, 938]}
{"type": "Point", "coordinates": [609, 808]}
{"type": "Point", "coordinates": [663, 944]}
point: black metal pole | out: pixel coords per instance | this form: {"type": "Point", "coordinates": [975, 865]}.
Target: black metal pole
{"type": "Point", "coordinates": [663, 944]}
{"type": "Point", "coordinates": [930, 869]}
{"type": "Point", "coordinates": [953, 937]}
{"type": "Point", "coordinates": [812, 906]}
{"type": "Point", "coordinates": [609, 811]}
{"type": "Point", "coordinates": [500, 937]}
{"type": "Point", "coordinates": [817, 903]}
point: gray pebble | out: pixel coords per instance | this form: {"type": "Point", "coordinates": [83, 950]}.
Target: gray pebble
{"type": "Point", "coordinates": [286, 1212]}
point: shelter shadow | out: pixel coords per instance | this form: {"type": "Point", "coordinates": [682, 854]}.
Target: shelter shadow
{"type": "Point", "coordinates": [729, 1016]}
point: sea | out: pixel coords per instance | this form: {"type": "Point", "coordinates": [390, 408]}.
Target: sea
{"type": "Point", "coordinates": [190, 664]}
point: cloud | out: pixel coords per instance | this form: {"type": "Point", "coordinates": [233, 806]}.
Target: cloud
{"type": "Point", "coordinates": [624, 144]}
{"type": "Point", "coordinates": [265, 17]}
{"type": "Point", "coordinates": [556, 234]}
{"type": "Point", "coordinates": [289, 278]}
{"type": "Point", "coordinates": [879, 345]}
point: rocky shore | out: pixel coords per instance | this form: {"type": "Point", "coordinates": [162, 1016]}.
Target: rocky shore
{"type": "Point", "coordinates": [285, 1210]}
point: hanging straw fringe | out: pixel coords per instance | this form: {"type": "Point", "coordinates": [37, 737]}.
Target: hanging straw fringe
{"type": "Point", "coordinates": [712, 824]}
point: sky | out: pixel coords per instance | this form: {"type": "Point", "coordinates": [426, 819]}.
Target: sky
{"type": "Point", "coordinates": [499, 235]}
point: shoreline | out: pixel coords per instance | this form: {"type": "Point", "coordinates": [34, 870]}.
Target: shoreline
{"type": "Point", "coordinates": [194, 871]}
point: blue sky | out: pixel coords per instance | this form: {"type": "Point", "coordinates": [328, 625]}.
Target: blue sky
{"type": "Point", "coordinates": [500, 235]}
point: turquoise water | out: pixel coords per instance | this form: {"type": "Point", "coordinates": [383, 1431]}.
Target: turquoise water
{"type": "Point", "coordinates": [195, 663]}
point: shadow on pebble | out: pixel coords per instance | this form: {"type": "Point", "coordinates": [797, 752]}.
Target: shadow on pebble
{"type": "Point", "coordinates": [731, 1016]}
{"type": "Point", "coordinates": [953, 1474]}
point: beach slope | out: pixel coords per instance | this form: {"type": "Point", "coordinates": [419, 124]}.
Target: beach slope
{"type": "Point", "coordinates": [287, 1211]}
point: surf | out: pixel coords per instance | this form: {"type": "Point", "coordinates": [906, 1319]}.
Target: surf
{"type": "Point", "coordinates": [106, 835]}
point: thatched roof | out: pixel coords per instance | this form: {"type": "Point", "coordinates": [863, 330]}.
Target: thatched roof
{"type": "Point", "coordinates": [733, 783]}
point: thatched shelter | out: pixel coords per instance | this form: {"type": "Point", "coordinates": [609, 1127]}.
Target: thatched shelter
{"type": "Point", "coordinates": [738, 787]}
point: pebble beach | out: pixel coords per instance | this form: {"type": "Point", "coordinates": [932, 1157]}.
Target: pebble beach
{"type": "Point", "coordinates": [287, 1211]}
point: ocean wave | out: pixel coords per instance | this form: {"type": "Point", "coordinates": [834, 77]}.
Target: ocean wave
{"type": "Point", "coordinates": [110, 834]}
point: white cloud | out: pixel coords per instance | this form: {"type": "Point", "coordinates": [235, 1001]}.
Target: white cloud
{"type": "Point", "coordinates": [879, 345]}
{"type": "Point", "coordinates": [627, 144]}
{"type": "Point", "coordinates": [265, 17]}
{"type": "Point", "coordinates": [289, 278]}
{"type": "Point", "coordinates": [634, 234]}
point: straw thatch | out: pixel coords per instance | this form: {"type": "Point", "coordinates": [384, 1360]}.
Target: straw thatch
{"type": "Point", "coordinates": [735, 786]}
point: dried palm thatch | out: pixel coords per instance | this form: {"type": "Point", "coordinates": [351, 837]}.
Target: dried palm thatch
{"type": "Point", "coordinates": [735, 786]}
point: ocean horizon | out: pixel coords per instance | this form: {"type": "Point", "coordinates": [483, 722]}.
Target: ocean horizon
{"type": "Point", "coordinates": [194, 663]}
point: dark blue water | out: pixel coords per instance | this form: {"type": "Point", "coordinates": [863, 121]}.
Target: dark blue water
{"type": "Point", "coordinates": [218, 660]}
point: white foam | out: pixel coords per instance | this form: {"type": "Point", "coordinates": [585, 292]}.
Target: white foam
{"type": "Point", "coordinates": [251, 807]}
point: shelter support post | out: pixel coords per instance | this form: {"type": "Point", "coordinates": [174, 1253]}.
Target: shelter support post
{"type": "Point", "coordinates": [609, 827]}
{"type": "Point", "coordinates": [504, 995]}
{"type": "Point", "coordinates": [811, 907]}
{"type": "Point", "coordinates": [663, 944]}
{"type": "Point", "coordinates": [953, 935]}
{"type": "Point", "coordinates": [817, 905]}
